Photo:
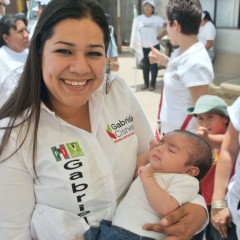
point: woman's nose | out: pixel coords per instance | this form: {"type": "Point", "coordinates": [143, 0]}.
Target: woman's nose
{"type": "Point", "coordinates": [79, 65]}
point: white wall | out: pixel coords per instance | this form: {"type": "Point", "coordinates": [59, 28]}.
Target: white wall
{"type": "Point", "coordinates": [227, 41]}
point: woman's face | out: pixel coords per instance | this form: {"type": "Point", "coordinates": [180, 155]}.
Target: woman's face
{"type": "Point", "coordinates": [148, 9]}
{"type": "Point", "coordinates": [17, 39]}
{"type": "Point", "coordinates": [73, 63]}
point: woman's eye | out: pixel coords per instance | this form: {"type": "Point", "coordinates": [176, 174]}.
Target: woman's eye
{"type": "Point", "coordinates": [64, 51]}
{"type": "Point", "coordinates": [95, 54]}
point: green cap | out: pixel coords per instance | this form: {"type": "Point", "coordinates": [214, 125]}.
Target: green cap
{"type": "Point", "coordinates": [209, 103]}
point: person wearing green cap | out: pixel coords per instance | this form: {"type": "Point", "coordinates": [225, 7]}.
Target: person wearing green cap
{"type": "Point", "coordinates": [212, 119]}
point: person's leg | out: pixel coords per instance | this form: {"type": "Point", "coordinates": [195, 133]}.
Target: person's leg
{"type": "Point", "coordinates": [154, 72]}
{"type": "Point", "coordinates": [146, 68]}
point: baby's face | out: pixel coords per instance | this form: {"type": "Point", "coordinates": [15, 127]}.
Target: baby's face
{"type": "Point", "coordinates": [170, 155]}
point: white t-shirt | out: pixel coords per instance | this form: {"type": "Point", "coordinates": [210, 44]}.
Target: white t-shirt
{"type": "Point", "coordinates": [149, 28]}
{"type": "Point", "coordinates": [233, 195]}
{"type": "Point", "coordinates": [208, 32]}
{"type": "Point", "coordinates": [11, 67]}
{"type": "Point", "coordinates": [134, 210]}
{"type": "Point", "coordinates": [190, 69]}
{"type": "Point", "coordinates": [79, 173]}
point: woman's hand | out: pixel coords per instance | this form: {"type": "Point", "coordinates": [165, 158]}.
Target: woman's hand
{"type": "Point", "coordinates": [182, 223]}
{"type": "Point", "coordinates": [221, 220]}
{"type": "Point", "coordinates": [155, 56]}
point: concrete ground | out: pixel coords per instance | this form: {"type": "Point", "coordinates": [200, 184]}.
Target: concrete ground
{"type": "Point", "coordinates": [134, 78]}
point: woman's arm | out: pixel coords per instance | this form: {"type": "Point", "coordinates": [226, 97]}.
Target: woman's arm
{"type": "Point", "coordinates": [182, 223]}
{"type": "Point", "coordinates": [209, 44]}
{"type": "Point", "coordinates": [228, 155]}
{"type": "Point", "coordinates": [16, 197]}
{"type": "Point", "coordinates": [220, 217]}
{"type": "Point", "coordinates": [155, 56]}
{"type": "Point", "coordinates": [197, 92]}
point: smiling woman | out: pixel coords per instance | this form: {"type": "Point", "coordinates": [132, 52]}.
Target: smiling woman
{"type": "Point", "coordinates": [71, 84]}
{"type": "Point", "coordinates": [58, 145]}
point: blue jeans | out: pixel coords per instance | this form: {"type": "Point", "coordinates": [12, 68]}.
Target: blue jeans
{"type": "Point", "coordinates": [106, 231]}
{"type": "Point", "coordinates": [147, 67]}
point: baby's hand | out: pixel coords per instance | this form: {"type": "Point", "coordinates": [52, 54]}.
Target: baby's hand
{"type": "Point", "coordinates": [145, 172]}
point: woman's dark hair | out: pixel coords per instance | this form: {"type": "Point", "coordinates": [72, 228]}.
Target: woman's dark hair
{"type": "Point", "coordinates": [7, 23]}
{"type": "Point", "coordinates": [187, 13]}
{"type": "Point", "coordinates": [31, 90]}
{"type": "Point", "coordinates": [207, 16]}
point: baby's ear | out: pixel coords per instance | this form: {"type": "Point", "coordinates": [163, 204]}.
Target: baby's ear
{"type": "Point", "coordinates": [192, 171]}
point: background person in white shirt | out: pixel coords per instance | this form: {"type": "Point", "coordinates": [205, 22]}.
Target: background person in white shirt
{"type": "Point", "coordinates": [3, 4]}
{"type": "Point", "coordinates": [189, 70]}
{"type": "Point", "coordinates": [112, 51]}
{"type": "Point", "coordinates": [207, 34]}
{"type": "Point", "coordinates": [147, 27]}
{"type": "Point", "coordinates": [41, 4]}
{"type": "Point", "coordinates": [13, 52]}
{"type": "Point", "coordinates": [70, 134]}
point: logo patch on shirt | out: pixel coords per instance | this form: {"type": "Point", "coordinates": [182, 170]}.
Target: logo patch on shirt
{"type": "Point", "coordinates": [120, 130]}
{"type": "Point", "coordinates": [67, 150]}
{"type": "Point", "coordinates": [72, 153]}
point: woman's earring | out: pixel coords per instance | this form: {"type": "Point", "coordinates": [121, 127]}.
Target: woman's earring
{"type": "Point", "coordinates": [107, 72]}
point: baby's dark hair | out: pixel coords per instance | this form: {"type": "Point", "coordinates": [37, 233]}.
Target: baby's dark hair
{"type": "Point", "coordinates": [199, 152]}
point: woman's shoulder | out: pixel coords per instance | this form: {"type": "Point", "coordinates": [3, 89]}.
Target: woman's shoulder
{"type": "Point", "coordinates": [117, 85]}
{"type": "Point", "coordinates": [3, 52]}
{"type": "Point", "coordinates": [18, 123]}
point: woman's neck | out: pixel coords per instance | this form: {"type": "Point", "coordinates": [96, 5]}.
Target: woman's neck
{"type": "Point", "coordinates": [186, 42]}
{"type": "Point", "coordinates": [78, 117]}
{"type": "Point", "coordinates": [148, 15]}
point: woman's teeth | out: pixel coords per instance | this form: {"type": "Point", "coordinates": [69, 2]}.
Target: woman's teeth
{"type": "Point", "coordinates": [75, 83]}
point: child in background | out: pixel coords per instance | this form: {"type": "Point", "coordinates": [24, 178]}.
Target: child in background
{"type": "Point", "coordinates": [212, 119]}
{"type": "Point", "coordinates": [167, 182]}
